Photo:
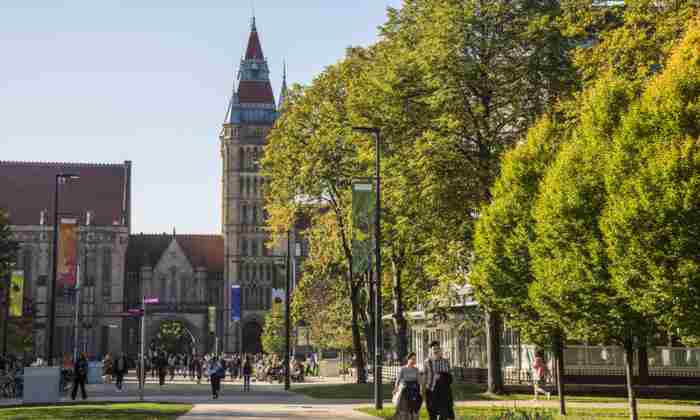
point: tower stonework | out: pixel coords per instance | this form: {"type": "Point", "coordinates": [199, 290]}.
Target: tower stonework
{"type": "Point", "coordinates": [250, 116]}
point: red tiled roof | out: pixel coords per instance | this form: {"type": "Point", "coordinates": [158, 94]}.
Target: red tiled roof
{"type": "Point", "coordinates": [27, 188]}
{"type": "Point", "coordinates": [204, 251]}
{"type": "Point", "coordinates": [255, 92]}
{"type": "Point", "coordinates": [201, 250]}
{"type": "Point", "coordinates": [254, 50]}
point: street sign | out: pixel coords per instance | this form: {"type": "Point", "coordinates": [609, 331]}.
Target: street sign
{"type": "Point", "coordinates": [151, 300]}
{"type": "Point", "coordinates": [136, 312]}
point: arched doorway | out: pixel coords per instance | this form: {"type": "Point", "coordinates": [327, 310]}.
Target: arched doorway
{"type": "Point", "coordinates": [251, 337]}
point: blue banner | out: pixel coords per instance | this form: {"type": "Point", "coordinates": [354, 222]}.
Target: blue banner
{"type": "Point", "coordinates": [235, 303]}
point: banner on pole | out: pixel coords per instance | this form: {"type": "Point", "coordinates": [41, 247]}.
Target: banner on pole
{"type": "Point", "coordinates": [67, 252]}
{"type": "Point", "coordinates": [235, 302]}
{"type": "Point", "coordinates": [16, 293]}
{"type": "Point", "coordinates": [212, 319]}
{"type": "Point", "coordinates": [362, 223]}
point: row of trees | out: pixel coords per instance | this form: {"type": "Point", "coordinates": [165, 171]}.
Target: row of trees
{"type": "Point", "coordinates": [472, 97]}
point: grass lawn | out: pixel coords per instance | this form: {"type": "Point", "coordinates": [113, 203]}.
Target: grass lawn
{"type": "Point", "coordinates": [137, 411]}
{"type": "Point", "coordinates": [469, 392]}
{"type": "Point", "coordinates": [469, 413]}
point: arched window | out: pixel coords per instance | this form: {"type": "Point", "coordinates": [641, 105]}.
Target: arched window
{"type": "Point", "coordinates": [255, 215]}
{"type": "Point", "coordinates": [243, 157]}
{"type": "Point", "coordinates": [241, 186]}
{"type": "Point", "coordinates": [244, 214]}
{"type": "Point", "coordinates": [244, 247]}
{"type": "Point", "coordinates": [107, 273]}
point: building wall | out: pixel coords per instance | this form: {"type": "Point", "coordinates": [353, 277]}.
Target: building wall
{"type": "Point", "coordinates": [101, 251]}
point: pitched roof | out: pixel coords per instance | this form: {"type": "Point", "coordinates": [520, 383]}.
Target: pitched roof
{"type": "Point", "coordinates": [254, 49]}
{"type": "Point", "coordinates": [27, 188]}
{"type": "Point", "coordinates": [255, 92]}
{"type": "Point", "coordinates": [201, 250]}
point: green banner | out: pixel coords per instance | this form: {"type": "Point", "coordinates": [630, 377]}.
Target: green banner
{"type": "Point", "coordinates": [16, 293]}
{"type": "Point", "coordinates": [362, 224]}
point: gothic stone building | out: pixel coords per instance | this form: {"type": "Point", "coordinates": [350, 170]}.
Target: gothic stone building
{"type": "Point", "coordinates": [251, 114]}
{"type": "Point", "coordinates": [101, 202]}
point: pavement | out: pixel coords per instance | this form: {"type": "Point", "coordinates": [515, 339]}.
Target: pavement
{"type": "Point", "coordinates": [270, 401]}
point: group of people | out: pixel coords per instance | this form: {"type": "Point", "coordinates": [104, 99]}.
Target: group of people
{"type": "Point", "coordinates": [431, 383]}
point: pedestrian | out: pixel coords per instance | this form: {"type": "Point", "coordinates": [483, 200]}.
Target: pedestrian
{"type": "Point", "coordinates": [162, 368]}
{"type": "Point", "coordinates": [407, 394]}
{"type": "Point", "coordinates": [437, 385]}
{"type": "Point", "coordinates": [120, 370]}
{"type": "Point", "coordinates": [540, 375]}
{"type": "Point", "coordinates": [172, 360]}
{"type": "Point", "coordinates": [80, 376]}
{"type": "Point", "coordinates": [247, 371]}
{"type": "Point", "coordinates": [216, 373]}
{"type": "Point", "coordinates": [108, 368]}
{"type": "Point", "coordinates": [198, 368]}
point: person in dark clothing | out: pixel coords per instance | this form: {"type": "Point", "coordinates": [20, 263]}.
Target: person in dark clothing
{"type": "Point", "coordinates": [247, 371]}
{"type": "Point", "coordinates": [162, 367]}
{"type": "Point", "coordinates": [216, 373]}
{"type": "Point", "coordinates": [120, 370]}
{"type": "Point", "coordinates": [436, 371]}
{"type": "Point", "coordinates": [80, 376]}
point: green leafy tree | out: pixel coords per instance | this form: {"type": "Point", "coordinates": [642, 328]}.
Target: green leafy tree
{"type": "Point", "coordinates": [311, 154]}
{"type": "Point", "coordinates": [652, 223]}
{"type": "Point", "coordinates": [171, 336]}
{"type": "Point", "coordinates": [8, 247]}
{"type": "Point", "coordinates": [273, 332]}
{"type": "Point", "coordinates": [573, 285]}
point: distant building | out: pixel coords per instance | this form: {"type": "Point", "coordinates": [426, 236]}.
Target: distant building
{"type": "Point", "coordinates": [251, 114]}
{"type": "Point", "coordinates": [101, 202]}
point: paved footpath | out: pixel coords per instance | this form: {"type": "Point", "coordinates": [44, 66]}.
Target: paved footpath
{"type": "Point", "coordinates": [221, 411]}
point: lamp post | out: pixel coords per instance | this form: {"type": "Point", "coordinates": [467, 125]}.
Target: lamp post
{"type": "Point", "coordinates": [52, 304]}
{"type": "Point", "coordinates": [378, 347]}
{"type": "Point", "coordinates": [286, 310]}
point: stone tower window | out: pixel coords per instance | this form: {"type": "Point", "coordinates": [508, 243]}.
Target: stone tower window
{"type": "Point", "coordinates": [106, 273]}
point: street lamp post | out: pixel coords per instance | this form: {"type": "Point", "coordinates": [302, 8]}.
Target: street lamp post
{"type": "Point", "coordinates": [378, 346]}
{"type": "Point", "coordinates": [286, 311]}
{"type": "Point", "coordinates": [52, 303]}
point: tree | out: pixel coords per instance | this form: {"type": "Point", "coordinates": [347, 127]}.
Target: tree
{"type": "Point", "coordinates": [489, 70]}
{"type": "Point", "coordinates": [573, 284]}
{"type": "Point", "coordinates": [8, 246]}
{"type": "Point", "coordinates": [171, 335]}
{"type": "Point", "coordinates": [273, 331]}
{"type": "Point", "coordinates": [504, 233]}
{"type": "Point", "coordinates": [310, 153]}
{"type": "Point", "coordinates": [652, 223]}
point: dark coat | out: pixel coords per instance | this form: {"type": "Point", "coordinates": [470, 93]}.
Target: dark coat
{"type": "Point", "coordinates": [442, 403]}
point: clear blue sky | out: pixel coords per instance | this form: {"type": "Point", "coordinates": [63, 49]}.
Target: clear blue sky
{"type": "Point", "coordinates": [108, 81]}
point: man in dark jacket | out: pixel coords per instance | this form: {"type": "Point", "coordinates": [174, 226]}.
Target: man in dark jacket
{"type": "Point", "coordinates": [120, 370]}
{"type": "Point", "coordinates": [80, 376]}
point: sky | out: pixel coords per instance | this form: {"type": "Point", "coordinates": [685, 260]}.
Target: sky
{"type": "Point", "coordinates": [149, 80]}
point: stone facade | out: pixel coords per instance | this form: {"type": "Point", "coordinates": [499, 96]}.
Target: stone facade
{"type": "Point", "coordinates": [103, 234]}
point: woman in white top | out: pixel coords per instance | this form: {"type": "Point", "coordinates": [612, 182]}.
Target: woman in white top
{"type": "Point", "coordinates": [409, 400]}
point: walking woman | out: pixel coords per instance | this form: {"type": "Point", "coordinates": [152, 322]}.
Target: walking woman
{"type": "Point", "coordinates": [540, 375]}
{"type": "Point", "coordinates": [407, 391]}
{"type": "Point", "coordinates": [247, 371]}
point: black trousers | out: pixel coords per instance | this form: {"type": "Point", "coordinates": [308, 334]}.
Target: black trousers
{"type": "Point", "coordinates": [120, 380]}
{"type": "Point", "coordinates": [161, 376]}
{"type": "Point", "coordinates": [246, 382]}
{"type": "Point", "coordinates": [215, 386]}
{"type": "Point", "coordinates": [79, 381]}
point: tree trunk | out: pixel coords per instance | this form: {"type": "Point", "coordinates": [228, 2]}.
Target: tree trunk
{"type": "Point", "coordinates": [493, 352]}
{"type": "Point", "coordinates": [629, 377]}
{"type": "Point", "coordinates": [643, 362]}
{"type": "Point", "coordinates": [356, 339]}
{"type": "Point", "coordinates": [400, 323]}
{"type": "Point", "coordinates": [559, 369]}
{"type": "Point", "coordinates": [368, 319]}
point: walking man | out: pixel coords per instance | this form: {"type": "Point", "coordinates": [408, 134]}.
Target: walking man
{"type": "Point", "coordinates": [437, 381]}
{"type": "Point", "coordinates": [120, 370]}
{"type": "Point", "coordinates": [80, 376]}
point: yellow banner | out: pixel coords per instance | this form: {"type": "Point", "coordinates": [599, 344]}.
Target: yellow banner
{"type": "Point", "coordinates": [16, 293]}
{"type": "Point", "coordinates": [67, 252]}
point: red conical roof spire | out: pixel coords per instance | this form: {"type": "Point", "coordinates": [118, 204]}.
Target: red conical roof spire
{"type": "Point", "coordinates": [254, 50]}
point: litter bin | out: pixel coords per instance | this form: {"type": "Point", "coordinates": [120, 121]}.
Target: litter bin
{"type": "Point", "coordinates": [41, 385]}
